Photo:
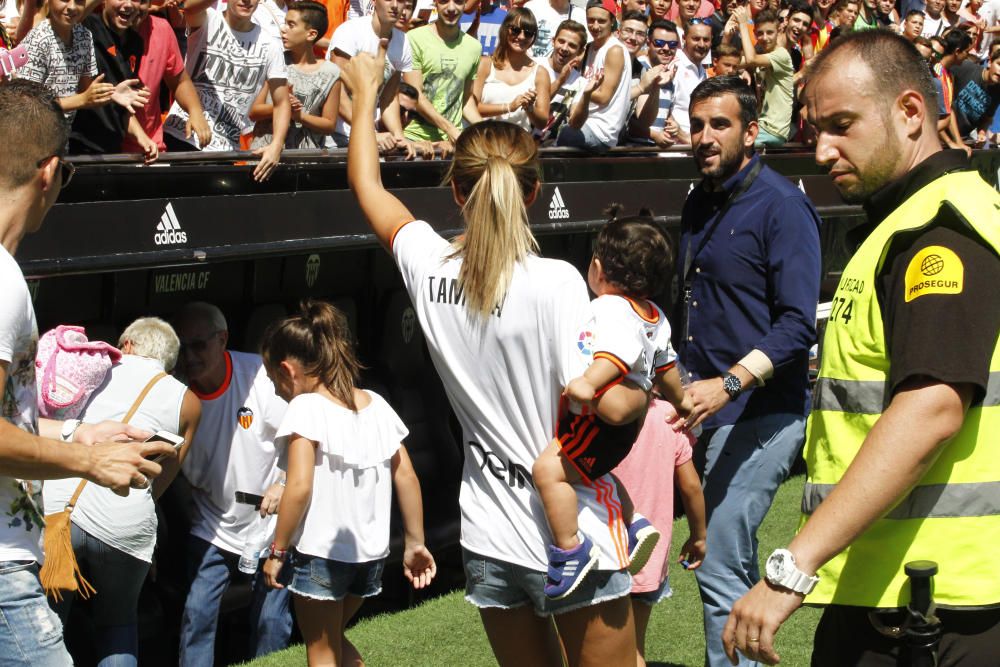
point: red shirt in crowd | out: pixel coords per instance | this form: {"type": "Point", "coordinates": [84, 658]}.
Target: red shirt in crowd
{"type": "Point", "coordinates": [162, 57]}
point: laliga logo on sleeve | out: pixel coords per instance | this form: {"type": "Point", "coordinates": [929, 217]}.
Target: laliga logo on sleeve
{"type": "Point", "coordinates": [586, 343]}
{"type": "Point", "coordinates": [245, 417]}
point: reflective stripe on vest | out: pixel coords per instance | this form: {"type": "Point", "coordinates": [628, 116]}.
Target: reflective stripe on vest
{"type": "Point", "coordinates": [868, 397]}
{"type": "Point", "coordinates": [926, 502]}
{"type": "Point", "coordinates": [952, 515]}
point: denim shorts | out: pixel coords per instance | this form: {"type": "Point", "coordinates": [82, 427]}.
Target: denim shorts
{"type": "Point", "coordinates": [496, 584]}
{"type": "Point", "coordinates": [31, 634]}
{"type": "Point", "coordinates": [322, 579]}
{"type": "Point", "coordinates": [655, 597]}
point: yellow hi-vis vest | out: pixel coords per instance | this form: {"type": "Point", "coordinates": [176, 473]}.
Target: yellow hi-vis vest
{"type": "Point", "coordinates": [952, 515]}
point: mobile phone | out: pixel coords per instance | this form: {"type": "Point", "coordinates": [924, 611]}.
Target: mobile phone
{"type": "Point", "coordinates": [167, 437]}
{"type": "Point", "coordinates": [245, 498]}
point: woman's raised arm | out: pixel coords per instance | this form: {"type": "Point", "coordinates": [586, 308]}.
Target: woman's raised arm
{"type": "Point", "coordinates": [385, 213]}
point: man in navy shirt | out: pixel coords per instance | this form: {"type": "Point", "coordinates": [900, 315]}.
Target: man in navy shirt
{"type": "Point", "coordinates": [749, 265]}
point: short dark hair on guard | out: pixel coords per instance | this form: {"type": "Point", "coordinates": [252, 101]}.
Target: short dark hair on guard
{"type": "Point", "coordinates": [894, 63]}
{"type": "Point", "coordinates": [635, 253]}
{"type": "Point", "coordinates": [731, 84]}
{"type": "Point", "coordinates": [32, 128]}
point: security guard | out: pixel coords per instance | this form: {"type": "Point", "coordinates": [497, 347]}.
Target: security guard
{"type": "Point", "coordinates": [903, 444]}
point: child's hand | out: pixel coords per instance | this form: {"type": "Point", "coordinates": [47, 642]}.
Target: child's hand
{"type": "Point", "coordinates": [579, 390]}
{"type": "Point", "coordinates": [272, 568]}
{"type": "Point", "coordinates": [693, 552]}
{"type": "Point", "coordinates": [686, 406]}
{"type": "Point", "coordinates": [418, 565]}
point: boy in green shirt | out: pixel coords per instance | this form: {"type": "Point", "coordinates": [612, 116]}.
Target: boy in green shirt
{"type": "Point", "coordinates": [445, 61]}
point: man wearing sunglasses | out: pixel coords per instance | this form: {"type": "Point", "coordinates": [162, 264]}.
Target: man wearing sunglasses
{"type": "Point", "coordinates": [33, 132]}
{"type": "Point", "coordinates": [652, 121]}
{"type": "Point", "coordinates": [239, 418]}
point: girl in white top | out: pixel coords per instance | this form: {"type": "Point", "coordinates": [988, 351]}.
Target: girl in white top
{"type": "Point", "coordinates": [342, 453]}
{"type": "Point", "coordinates": [509, 85]}
{"type": "Point", "coordinates": [503, 327]}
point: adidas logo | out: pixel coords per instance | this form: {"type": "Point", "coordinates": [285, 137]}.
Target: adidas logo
{"type": "Point", "coordinates": [168, 231]}
{"type": "Point", "coordinates": [587, 462]}
{"type": "Point", "coordinates": [557, 207]}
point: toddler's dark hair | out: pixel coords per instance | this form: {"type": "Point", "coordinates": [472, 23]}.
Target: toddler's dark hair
{"type": "Point", "coordinates": [635, 253]}
{"type": "Point", "coordinates": [319, 338]}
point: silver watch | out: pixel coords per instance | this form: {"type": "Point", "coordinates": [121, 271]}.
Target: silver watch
{"type": "Point", "coordinates": [780, 570]}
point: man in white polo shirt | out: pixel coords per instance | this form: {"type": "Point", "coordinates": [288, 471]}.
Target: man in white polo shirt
{"type": "Point", "coordinates": [240, 415]}
{"type": "Point", "coordinates": [690, 72]}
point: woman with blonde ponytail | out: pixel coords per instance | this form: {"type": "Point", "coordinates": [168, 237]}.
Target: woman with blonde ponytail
{"type": "Point", "coordinates": [506, 330]}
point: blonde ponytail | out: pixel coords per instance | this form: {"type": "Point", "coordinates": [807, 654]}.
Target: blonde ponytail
{"type": "Point", "coordinates": [495, 170]}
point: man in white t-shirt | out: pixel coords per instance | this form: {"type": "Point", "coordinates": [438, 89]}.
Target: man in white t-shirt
{"type": "Point", "coordinates": [362, 35]}
{"type": "Point", "coordinates": [230, 58]}
{"type": "Point", "coordinates": [600, 113]}
{"type": "Point", "coordinates": [235, 455]}
{"type": "Point", "coordinates": [690, 72]}
{"type": "Point", "coordinates": [563, 67]}
{"type": "Point", "coordinates": [548, 15]}
{"type": "Point", "coordinates": [33, 132]}
{"type": "Point", "coordinates": [270, 15]}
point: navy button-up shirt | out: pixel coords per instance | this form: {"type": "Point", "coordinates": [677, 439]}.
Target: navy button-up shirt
{"type": "Point", "coordinates": [754, 285]}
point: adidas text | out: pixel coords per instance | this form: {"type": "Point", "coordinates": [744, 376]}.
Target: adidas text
{"type": "Point", "coordinates": [557, 207]}
{"type": "Point", "coordinates": [168, 230]}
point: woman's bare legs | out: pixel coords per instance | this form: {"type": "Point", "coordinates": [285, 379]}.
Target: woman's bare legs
{"type": "Point", "coordinates": [641, 613]}
{"type": "Point", "coordinates": [597, 636]}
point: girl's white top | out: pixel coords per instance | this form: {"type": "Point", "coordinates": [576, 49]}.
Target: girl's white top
{"type": "Point", "coordinates": [347, 518]}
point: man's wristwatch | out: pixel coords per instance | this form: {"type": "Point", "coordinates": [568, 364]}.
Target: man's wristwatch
{"type": "Point", "coordinates": [781, 571]}
{"type": "Point", "coordinates": [732, 385]}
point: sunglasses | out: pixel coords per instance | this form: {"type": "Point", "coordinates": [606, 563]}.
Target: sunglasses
{"type": "Point", "coordinates": [516, 31]}
{"type": "Point", "coordinates": [67, 168]}
{"type": "Point", "coordinates": [701, 21]}
{"type": "Point", "coordinates": [669, 43]}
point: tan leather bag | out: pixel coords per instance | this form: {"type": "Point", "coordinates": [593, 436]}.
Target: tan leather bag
{"type": "Point", "coordinates": [61, 572]}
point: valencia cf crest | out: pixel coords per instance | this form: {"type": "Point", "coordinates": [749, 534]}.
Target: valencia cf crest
{"type": "Point", "coordinates": [245, 417]}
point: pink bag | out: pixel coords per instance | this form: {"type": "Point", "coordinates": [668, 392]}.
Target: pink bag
{"type": "Point", "coordinates": [69, 368]}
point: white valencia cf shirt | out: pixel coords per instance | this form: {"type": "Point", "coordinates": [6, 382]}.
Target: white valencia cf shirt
{"type": "Point", "coordinates": [503, 376]}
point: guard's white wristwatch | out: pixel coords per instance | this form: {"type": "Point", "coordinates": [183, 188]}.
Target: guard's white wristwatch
{"type": "Point", "coordinates": [69, 429]}
{"type": "Point", "coordinates": [781, 571]}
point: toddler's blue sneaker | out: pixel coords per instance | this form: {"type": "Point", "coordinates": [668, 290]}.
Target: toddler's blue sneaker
{"type": "Point", "coordinates": [642, 539]}
{"type": "Point", "coordinates": [567, 568]}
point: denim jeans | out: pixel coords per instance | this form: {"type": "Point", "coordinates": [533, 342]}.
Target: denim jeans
{"type": "Point", "coordinates": [584, 138]}
{"type": "Point", "coordinates": [210, 570]}
{"type": "Point", "coordinates": [117, 577]}
{"type": "Point", "coordinates": [30, 632]}
{"type": "Point", "coordinates": [745, 463]}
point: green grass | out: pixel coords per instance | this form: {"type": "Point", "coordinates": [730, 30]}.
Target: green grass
{"type": "Point", "coordinates": [447, 631]}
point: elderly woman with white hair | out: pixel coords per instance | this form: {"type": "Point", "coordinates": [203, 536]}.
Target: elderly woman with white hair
{"type": "Point", "coordinates": [113, 536]}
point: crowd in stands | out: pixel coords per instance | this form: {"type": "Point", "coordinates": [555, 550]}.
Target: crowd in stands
{"type": "Point", "coordinates": [152, 75]}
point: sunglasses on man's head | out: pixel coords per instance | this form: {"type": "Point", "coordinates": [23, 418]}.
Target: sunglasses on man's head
{"type": "Point", "coordinates": [515, 31]}
{"type": "Point", "coordinates": [669, 43]}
